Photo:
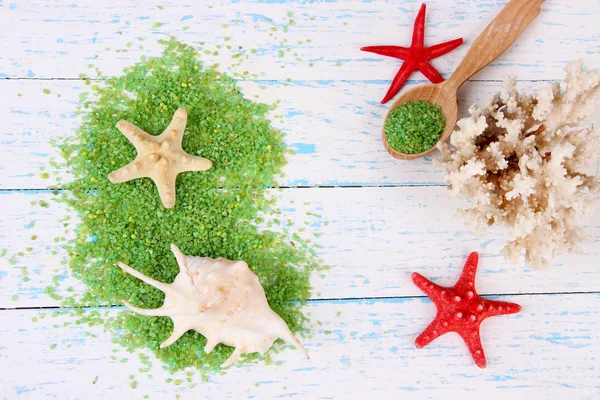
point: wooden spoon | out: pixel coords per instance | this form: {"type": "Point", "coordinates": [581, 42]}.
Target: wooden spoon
{"type": "Point", "coordinates": [493, 41]}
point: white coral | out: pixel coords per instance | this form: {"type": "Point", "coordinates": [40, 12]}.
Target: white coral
{"type": "Point", "coordinates": [521, 161]}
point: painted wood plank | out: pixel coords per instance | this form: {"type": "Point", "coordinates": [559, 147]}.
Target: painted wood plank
{"type": "Point", "coordinates": [373, 239]}
{"type": "Point", "coordinates": [337, 139]}
{"type": "Point", "coordinates": [49, 39]}
{"type": "Point", "coordinates": [362, 349]}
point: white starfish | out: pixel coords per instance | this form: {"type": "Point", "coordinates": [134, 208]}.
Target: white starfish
{"type": "Point", "coordinates": [160, 158]}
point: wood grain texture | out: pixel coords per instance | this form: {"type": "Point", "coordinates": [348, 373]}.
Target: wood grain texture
{"type": "Point", "coordinates": [337, 140]}
{"type": "Point", "coordinates": [373, 239]}
{"type": "Point", "coordinates": [50, 39]}
{"type": "Point", "coordinates": [496, 38]}
{"type": "Point", "coordinates": [364, 349]}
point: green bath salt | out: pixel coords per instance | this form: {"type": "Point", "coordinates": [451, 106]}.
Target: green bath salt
{"type": "Point", "coordinates": [414, 127]}
{"type": "Point", "coordinates": [217, 213]}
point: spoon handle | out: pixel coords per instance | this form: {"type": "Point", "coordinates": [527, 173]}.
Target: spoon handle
{"type": "Point", "coordinates": [496, 38]}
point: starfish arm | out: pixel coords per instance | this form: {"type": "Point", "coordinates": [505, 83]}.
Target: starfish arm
{"type": "Point", "coordinates": [418, 38]}
{"type": "Point", "coordinates": [432, 290]}
{"type": "Point", "coordinates": [391, 51]}
{"type": "Point", "coordinates": [176, 128]}
{"type": "Point", "coordinates": [473, 342]}
{"type": "Point", "coordinates": [165, 183]}
{"type": "Point", "coordinates": [430, 72]}
{"type": "Point", "coordinates": [441, 49]}
{"type": "Point", "coordinates": [495, 308]}
{"type": "Point", "coordinates": [466, 281]}
{"type": "Point", "coordinates": [131, 171]}
{"type": "Point", "coordinates": [193, 163]}
{"type": "Point", "coordinates": [184, 162]}
{"type": "Point", "coordinates": [134, 134]}
{"type": "Point", "coordinates": [401, 77]}
{"type": "Point", "coordinates": [435, 329]}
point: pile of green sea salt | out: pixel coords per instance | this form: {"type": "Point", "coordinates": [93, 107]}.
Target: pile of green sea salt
{"type": "Point", "coordinates": [216, 213]}
{"type": "Point", "coordinates": [414, 127]}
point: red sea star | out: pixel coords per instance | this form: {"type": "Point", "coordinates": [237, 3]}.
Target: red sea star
{"type": "Point", "coordinates": [460, 310]}
{"type": "Point", "coordinates": [416, 57]}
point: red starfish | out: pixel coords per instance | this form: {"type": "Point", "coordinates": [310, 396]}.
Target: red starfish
{"type": "Point", "coordinates": [416, 57]}
{"type": "Point", "coordinates": [460, 310]}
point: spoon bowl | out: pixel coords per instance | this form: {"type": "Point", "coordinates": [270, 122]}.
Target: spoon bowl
{"type": "Point", "coordinates": [489, 45]}
{"type": "Point", "coordinates": [440, 94]}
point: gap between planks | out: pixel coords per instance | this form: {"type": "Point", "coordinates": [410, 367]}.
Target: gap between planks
{"type": "Point", "coordinates": [332, 300]}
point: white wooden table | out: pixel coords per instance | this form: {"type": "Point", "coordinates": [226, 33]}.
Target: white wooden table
{"type": "Point", "coordinates": [387, 218]}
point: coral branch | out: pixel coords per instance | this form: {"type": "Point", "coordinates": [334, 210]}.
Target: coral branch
{"type": "Point", "coordinates": [521, 160]}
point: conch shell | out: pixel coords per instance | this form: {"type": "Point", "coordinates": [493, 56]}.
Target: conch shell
{"type": "Point", "coordinates": [222, 300]}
